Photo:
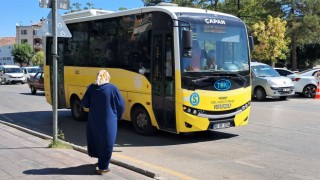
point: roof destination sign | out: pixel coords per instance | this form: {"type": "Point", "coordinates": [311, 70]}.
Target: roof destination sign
{"type": "Point", "coordinates": [61, 4]}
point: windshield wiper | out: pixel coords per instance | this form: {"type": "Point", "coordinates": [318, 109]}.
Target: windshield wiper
{"type": "Point", "coordinates": [229, 74]}
{"type": "Point", "coordinates": [200, 79]}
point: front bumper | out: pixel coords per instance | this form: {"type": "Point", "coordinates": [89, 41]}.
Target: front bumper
{"type": "Point", "coordinates": [14, 79]}
{"type": "Point", "coordinates": [280, 91]}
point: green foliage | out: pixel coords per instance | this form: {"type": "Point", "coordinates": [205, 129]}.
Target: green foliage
{"type": "Point", "coordinates": [122, 8]}
{"type": "Point", "coordinates": [272, 42]}
{"type": "Point", "coordinates": [38, 59]}
{"type": "Point", "coordinates": [303, 24]}
{"type": "Point", "coordinates": [22, 53]}
{"type": "Point", "coordinates": [308, 55]}
{"type": "Point", "coordinates": [60, 144]}
{"type": "Point", "coordinates": [75, 7]}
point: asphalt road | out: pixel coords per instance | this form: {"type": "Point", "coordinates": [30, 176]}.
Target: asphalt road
{"type": "Point", "coordinates": [281, 140]}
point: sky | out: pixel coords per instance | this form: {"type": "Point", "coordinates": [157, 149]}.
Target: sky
{"type": "Point", "coordinates": [26, 12]}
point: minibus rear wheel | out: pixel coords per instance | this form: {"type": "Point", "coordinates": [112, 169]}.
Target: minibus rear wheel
{"type": "Point", "coordinates": [77, 111]}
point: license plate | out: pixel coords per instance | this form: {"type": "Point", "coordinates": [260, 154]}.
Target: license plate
{"type": "Point", "coordinates": [221, 125]}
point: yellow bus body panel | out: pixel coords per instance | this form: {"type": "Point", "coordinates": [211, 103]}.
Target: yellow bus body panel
{"type": "Point", "coordinates": [136, 90]}
{"type": "Point", "coordinates": [134, 87]}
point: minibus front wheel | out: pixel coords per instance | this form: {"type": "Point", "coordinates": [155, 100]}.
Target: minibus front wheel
{"type": "Point", "coordinates": [141, 121]}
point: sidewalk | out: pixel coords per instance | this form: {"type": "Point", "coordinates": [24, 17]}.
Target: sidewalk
{"type": "Point", "coordinates": [26, 156]}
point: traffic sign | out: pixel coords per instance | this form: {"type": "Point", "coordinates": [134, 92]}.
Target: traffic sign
{"type": "Point", "coordinates": [46, 28]}
{"type": "Point", "coordinates": [61, 4]}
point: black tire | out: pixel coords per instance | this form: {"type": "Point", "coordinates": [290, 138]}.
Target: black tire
{"type": "Point", "coordinates": [283, 97]}
{"type": "Point", "coordinates": [260, 94]}
{"type": "Point", "coordinates": [141, 122]}
{"type": "Point", "coordinates": [33, 90]}
{"type": "Point", "coordinates": [77, 110]}
{"type": "Point", "coordinates": [309, 91]}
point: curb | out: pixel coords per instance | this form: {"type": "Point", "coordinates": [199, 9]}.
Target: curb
{"type": "Point", "coordinates": [81, 149]}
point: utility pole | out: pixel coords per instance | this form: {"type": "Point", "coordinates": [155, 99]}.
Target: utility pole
{"type": "Point", "coordinates": [55, 71]}
{"type": "Point", "coordinates": [49, 28]}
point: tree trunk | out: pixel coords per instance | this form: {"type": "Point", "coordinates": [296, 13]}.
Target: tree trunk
{"type": "Point", "coordinates": [273, 63]}
{"type": "Point", "coordinates": [293, 53]}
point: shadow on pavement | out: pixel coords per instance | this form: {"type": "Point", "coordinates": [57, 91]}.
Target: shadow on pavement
{"type": "Point", "coordinates": [87, 169]}
{"type": "Point", "coordinates": [40, 93]}
{"type": "Point", "coordinates": [75, 131]}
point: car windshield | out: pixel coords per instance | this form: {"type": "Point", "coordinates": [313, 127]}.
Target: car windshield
{"type": "Point", "coordinates": [12, 70]}
{"type": "Point", "coordinates": [32, 70]}
{"type": "Point", "coordinates": [264, 71]}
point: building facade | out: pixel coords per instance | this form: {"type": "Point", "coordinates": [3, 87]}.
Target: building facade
{"type": "Point", "coordinates": [28, 34]}
{"type": "Point", "coordinates": [6, 45]}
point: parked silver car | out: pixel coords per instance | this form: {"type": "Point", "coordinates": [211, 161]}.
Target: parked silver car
{"type": "Point", "coordinates": [304, 82]}
{"type": "Point", "coordinates": [267, 83]}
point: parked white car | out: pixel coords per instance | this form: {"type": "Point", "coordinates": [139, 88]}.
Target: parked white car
{"type": "Point", "coordinates": [11, 74]}
{"type": "Point", "coordinates": [267, 83]}
{"type": "Point", "coordinates": [305, 83]}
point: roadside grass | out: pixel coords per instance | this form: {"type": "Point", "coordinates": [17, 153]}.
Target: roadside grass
{"type": "Point", "coordinates": [59, 144]}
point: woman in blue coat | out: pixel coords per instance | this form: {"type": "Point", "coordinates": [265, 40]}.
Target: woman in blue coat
{"type": "Point", "coordinates": [106, 107]}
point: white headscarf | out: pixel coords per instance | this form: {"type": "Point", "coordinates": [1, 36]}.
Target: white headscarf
{"type": "Point", "coordinates": [103, 77]}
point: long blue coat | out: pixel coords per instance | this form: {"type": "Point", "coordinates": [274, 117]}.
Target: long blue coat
{"type": "Point", "coordinates": [106, 107]}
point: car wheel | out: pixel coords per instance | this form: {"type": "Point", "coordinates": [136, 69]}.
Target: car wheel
{"type": "Point", "coordinates": [141, 122]}
{"type": "Point", "coordinates": [33, 90]}
{"type": "Point", "coordinates": [260, 94]}
{"type": "Point", "coordinates": [309, 91]}
{"type": "Point", "coordinates": [77, 110]}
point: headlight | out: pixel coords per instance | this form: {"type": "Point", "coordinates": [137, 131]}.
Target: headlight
{"type": "Point", "coordinates": [10, 76]}
{"type": "Point", "coordinates": [272, 83]}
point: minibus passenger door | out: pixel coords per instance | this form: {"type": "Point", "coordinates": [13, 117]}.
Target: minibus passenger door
{"type": "Point", "coordinates": [162, 79]}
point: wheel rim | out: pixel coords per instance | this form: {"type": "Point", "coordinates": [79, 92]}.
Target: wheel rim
{"type": "Point", "coordinates": [259, 94]}
{"type": "Point", "coordinates": [309, 91]}
{"type": "Point", "coordinates": [142, 120]}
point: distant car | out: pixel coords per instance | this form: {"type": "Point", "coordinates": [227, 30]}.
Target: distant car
{"type": "Point", "coordinates": [36, 82]}
{"type": "Point", "coordinates": [294, 76]}
{"type": "Point", "coordinates": [11, 74]}
{"type": "Point", "coordinates": [304, 82]}
{"type": "Point", "coordinates": [307, 85]}
{"type": "Point", "coordinates": [267, 83]}
{"type": "Point", "coordinates": [29, 71]}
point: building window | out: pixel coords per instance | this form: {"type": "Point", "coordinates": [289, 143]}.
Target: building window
{"type": "Point", "coordinates": [24, 40]}
{"type": "Point", "coordinates": [24, 32]}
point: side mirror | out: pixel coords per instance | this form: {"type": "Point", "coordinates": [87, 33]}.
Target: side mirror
{"type": "Point", "coordinates": [251, 43]}
{"type": "Point", "coordinates": [187, 43]}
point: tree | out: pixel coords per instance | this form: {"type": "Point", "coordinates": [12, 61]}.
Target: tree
{"type": "Point", "coordinates": [153, 2]}
{"type": "Point", "coordinates": [38, 59]}
{"type": "Point", "coordinates": [75, 7]}
{"type": "Point", "coordinates": [272, 42]}
{"type": "Point", "coordinates": [22, 53]}
{"type": "Point", "coordinates": [308, 55]}
{"type": "Point", "coordinates": [251, 11]}
{"type": "Point", "coordinates": [303, 24]}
